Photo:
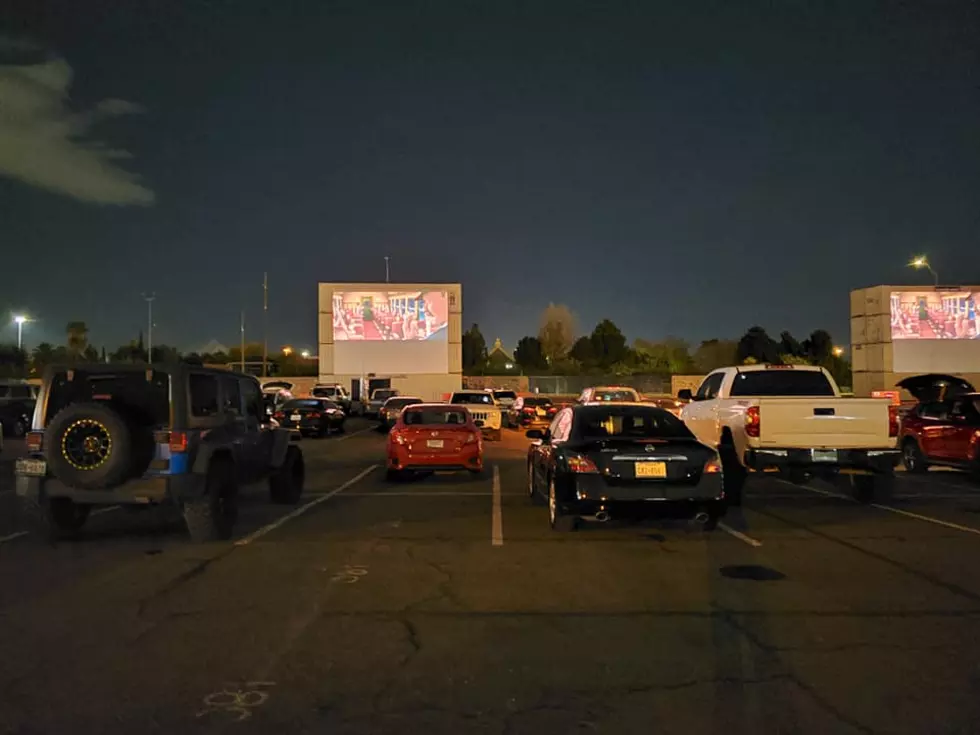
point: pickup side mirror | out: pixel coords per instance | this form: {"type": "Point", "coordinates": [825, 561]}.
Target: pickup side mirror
{"type": "Point", "coordinates": [684, 394]}
{"type": "Point", "coordinates": [534, 434]}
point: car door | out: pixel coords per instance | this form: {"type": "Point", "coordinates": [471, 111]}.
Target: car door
{"type": "Point", "coordinates": [701, 413]}
{"type": "Point", "coordinates": [933, 417]}
{"type": "Point", "coordinates": [558, 434]}
{"type": "Point", "coordinates": [962, 424]}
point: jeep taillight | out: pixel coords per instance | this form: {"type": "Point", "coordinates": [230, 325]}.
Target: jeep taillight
{"type": "Point", "coordinates": [893, 421]}
{"type": "Point", "coordinates": [35, 440]}
{"type": "Point", "coordinates": [178, 442]}
{"type": "Point", "coordinates": [753, 422]}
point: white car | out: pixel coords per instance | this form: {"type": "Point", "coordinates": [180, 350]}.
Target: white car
{"type": "Point", "coordinates": [483, 408]}
{"type": "Point", "coordinates": [609, 394]}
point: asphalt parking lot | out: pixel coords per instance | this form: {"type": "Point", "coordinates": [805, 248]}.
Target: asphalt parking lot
{"type": "Point", "coordinates": [448, 606]}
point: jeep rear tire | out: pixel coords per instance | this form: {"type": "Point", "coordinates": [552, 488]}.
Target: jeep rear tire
{"type": "Point", "coordinates": [90, 446]}
{"type": "Point", "coordinates": [212, 516]}
{"type": "Point", "coordinates": [54, 518]}
{"type": "Point", "coordinates": [286, 485]}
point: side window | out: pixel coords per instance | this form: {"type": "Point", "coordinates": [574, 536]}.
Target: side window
{"type": "Point", "coordinates": [710, 387]}
{"type": "Point", "coordinates": [562, 426]}
{"type": "Point", "coordinates": [933, 411]}
{"type": "Point", "coordinates": [231, 395]}
{"type": "Point", "coordinates": [21, 391]}
{"type": "Point", "coordinates": [253, 399]}
{"type": "Point", "coordinates": [204, 395]}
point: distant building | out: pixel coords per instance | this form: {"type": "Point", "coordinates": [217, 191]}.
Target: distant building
{"type": "Point", "coordinates": [211, 348]}
{"type": "Point", "coordinates": [499, 359]}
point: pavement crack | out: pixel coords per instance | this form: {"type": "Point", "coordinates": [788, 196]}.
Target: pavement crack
{"type": "Point", "coordinates": [445, 590]}
{"type": "Point", "coordinates": [181, 579]}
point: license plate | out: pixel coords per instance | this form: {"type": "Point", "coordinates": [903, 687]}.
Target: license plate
{"type": "Point", "coordinates": [541, 412]}
{"type": "Point", "coordinates": [434, 444]}
{"type": "Point", "coordinates": [650, 469]}
{"type": "Point", "coordinates": [295, 417]}
{"type": "Point", "coordinates": [32, 467]}
{"type": "Point", "coordinates": [824, 455]}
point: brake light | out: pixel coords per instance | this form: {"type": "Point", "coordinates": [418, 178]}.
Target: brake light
{"type": "Point", "coordinates": [313, 415]}
{"type": "Point", "coordinates": [712, 467]}
{"type": "Point", "coordinates": [582, 465]}
{"type": "Point", "coordinates": [893, 421]}
{"type": "Point", "coordinates": [753, 422]}
{"type": "Point", "coordinates": [279, 415]}
{"type": "Point", "coordinates": [178, 442]}
{"type": "Point", "coordinates": [472, 437]}
{"type": "Point", "coordinates": [35, 440]}
{"type": "Point", "coordinates": [397, 437]}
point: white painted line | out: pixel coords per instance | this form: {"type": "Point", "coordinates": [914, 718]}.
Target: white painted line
{"type": "Point", "coordinates": [421, 494]}
{"type": "Point", "coordinates": [353, 433]}
{"type": "Point", "coordinates": [302, 509]}
{"type": "Point", "coordinates": [11, 537]}
{"type": "Point", "coordinates": [927, 519]}
{"type": "Point", "coordinates": [497, 525]}
{"type": "Point", "coordinates": [740, 536]}
{"type": "Point", "coordinates": [926, 480]}
{"type": "Point", "coordinates": [107, 509]}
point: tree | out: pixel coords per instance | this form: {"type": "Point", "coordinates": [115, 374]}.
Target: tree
{"type": "Point", "coordinates": [132, 352]}
{"type": "Point", "coordinates": [582, 351]}
{"type": "Point", "coordinates": [608, 343]}
{"type": "Point", "coordinates": [788, 345]}
{"type": "Point", "coordinates": [103, 357]}
{"type": "Point", "coordinates": [165, 355]}
{"type": "Point", "coordinates": [714, 354]}
{"type": "Point", "coordinates": [43, 355]}
{"type": "Point", "coordinates": [77, 339]}
{"type": "Point", "coordinates": [820, 347]}
{"type": "Point", "coordinates": [556, 332]}
{"type": "Point", "coordinates": [758, 345]}
{"type": "Point", "coordinates": [91, 354]}
{"type": "Point", "coordinates": [13, 362]}
{"type": "Point", "coordinates": [672, 355]}
{"type": "Point", "coordinates": [529, 355]}
{"type": "Point", "coordinates": [474, 350]}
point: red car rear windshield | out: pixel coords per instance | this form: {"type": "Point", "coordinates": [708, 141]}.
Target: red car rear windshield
{"type": "Point", "coordinates": [433, 417]}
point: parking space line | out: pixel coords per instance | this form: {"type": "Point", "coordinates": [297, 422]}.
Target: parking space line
{"type": "Point", "coordinates": [107, 509]}
{"type": "Point", "coordinates": [755, 543]}
{"type": "Point", "coordinates": [353, 433]}
{"type": "Point", "coordinates": [497, 523]}
{"type": "Point", "coordinates": [303, 508]}
{"type": "Point", "coordinates": [920, 480]}
{"type": "Point", "coordinates": [424, 494]}
{"type": "Point", "coordinates": [11, 537]}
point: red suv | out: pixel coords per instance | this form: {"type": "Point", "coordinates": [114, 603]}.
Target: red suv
{"type": "Point", "coordinates": [944, 427]}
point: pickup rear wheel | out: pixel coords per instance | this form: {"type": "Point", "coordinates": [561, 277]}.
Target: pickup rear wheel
{"type": "Point", "coordinates": [286, 485]}
{"type": "Point", "coordinates": [733, 474]}
{"type": "Point", "coordinates": [876, 488]}
{"type": "Point", "coordinates": [913, 458]}
{"type": "Point", "coordinates": [54, 518]}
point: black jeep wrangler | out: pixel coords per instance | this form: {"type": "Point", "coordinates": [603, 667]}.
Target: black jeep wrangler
{"type": "Point", "coordinates": [141, 435]}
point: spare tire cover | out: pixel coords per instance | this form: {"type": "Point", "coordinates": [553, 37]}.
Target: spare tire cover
{"type": "Point", "coordinates": [89, 445]}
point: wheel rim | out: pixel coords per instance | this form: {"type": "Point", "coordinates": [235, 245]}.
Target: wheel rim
{"type": "Point", "coordinates": [86, 444]}
{"type": "Point", "coordinates": [910, 460]}
{"type": "Point", "coordinates": [552, 502]}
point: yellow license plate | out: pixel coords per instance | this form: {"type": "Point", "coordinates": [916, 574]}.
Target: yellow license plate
{"type": "Point", "coordinates": [650, 469]}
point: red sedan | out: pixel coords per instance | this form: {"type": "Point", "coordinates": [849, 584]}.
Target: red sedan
{"type": "Point", "coordinates": [434, 437]}
{"type": "Point", "coordinates": [944, 427]}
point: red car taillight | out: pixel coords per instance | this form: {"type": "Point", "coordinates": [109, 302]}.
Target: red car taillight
{"type": "Point", "coordinates": [472, 437]}
{"type": "Point", "coordinates": [178, 442]}
{"type": "Point", "coordinates": [279, 415]}
{"type": "Point", "coordinates": [893, 421]}
{"type": "Point", "coordinates": [582, 465]}
{"type": "Point", "coordinates": [35, 440]}
{"type": "Point", "coordinates": [753, 422]}
{"type": "Point", "coordinates": [313, 415]}
{"type": "Point", "coordinates": [397, 437]}
{"type": "Point", "coordinates": [712, 467]}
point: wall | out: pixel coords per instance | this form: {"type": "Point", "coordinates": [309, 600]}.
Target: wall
{"type": "Point", "coordinates": [691, 382]}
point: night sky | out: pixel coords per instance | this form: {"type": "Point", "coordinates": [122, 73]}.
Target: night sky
{"type": "Point", "coordinates": [682, 168]}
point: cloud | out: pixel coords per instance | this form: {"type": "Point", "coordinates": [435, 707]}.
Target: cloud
{"type": "Point", "coordinates": [44, 143]}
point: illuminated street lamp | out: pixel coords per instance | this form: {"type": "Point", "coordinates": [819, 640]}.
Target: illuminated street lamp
{"type": "Point", "coordinates": [838, 351]}
{"type": "Point", "coordinates": [305, 354]}
{"type": "Point", "coordinates": [919, 262]}
{"type": "Point", "coordinates": [287, 351]}
{"type": "Point", "coordinates": [19, 320]}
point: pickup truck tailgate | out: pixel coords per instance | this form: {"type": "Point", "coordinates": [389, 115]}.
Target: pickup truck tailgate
{"type": "Point", "coordinates": [839, 423]}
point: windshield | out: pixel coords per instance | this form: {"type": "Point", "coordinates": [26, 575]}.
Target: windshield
{"type": "Point", "coordinates": [505, 395]}
{"type": "Point", "coordinates": [616, 394]}
{"type": "Point", "coordinates": [383, 395]}
{"type": "Point", "coordinates": [325, 391]}
{"type": "Point", "coordinates": [433, 417]}
{"type": "Point", "coordinates": [537, 401]}
{"type": "Point", "coordinates": [472, 398]}
{"type": "Point", "coordinates": [308, 403]}
{"type": "Point", "coordinates": [782, 383]}
{"type": "Point", "coordinates": [401, 402]}
{"type": "Point", "coordinates": [628, 422]}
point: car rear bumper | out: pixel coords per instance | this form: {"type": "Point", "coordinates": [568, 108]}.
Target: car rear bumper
{"type": "Point", "coordinates": [859, 460]}
{"type": "Point", "coordinates": [144, 491]}
{"type": "Point", "coordinates": [468, 459]}
{"type": "Point", "coordinates": [593, 488]}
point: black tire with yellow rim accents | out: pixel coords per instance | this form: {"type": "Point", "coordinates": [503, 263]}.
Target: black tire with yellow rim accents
{"type": "Point", "coordinates": [89, 445]}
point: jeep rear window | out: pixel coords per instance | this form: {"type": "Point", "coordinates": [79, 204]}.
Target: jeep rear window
{"type": "Point", "coordinates": [147, 401]}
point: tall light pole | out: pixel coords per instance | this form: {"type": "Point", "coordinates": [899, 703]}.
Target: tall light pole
{"type": "Point", "coordinates": [387, 272]}
{"type": "Point", "coordinates": [149, 326]}
{"type": "Point", "coordinates": [19, 321]}
{"type": "Point", "coordinates": [919, 262]}
{"type": "Point", "coordinates": [265, 323]}
{"type": "Point", "coordinates": [243, 341]}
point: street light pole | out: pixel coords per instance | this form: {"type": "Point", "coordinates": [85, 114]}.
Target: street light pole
{"type": "Point", "coordinates": [243, 341]}
{"type": "Point", "coordinates": [265, 324]}
{"type": "Point", "coordinates": [19, 321]}
{"type": "Point", "coordinates": [387, 272]}
{"type": "Point", "coordinates": [922, 261]}
{"type": "Point", "coordinates": [149, 326]}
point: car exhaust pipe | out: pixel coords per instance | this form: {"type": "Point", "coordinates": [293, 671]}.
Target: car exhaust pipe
{"type": "Point", "coordinates": [602, 516]}
{"type": "Point", "coordinates": [702, 518]}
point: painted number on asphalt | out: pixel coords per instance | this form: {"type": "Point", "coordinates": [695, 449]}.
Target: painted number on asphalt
{"type": "Point", "coordinates": [350, 574]}
{"type": "Point", "coordinates": [238, 703]}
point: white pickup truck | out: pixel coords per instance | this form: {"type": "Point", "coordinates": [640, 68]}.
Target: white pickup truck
{"type": "Point", "coordinates": [792, 418]}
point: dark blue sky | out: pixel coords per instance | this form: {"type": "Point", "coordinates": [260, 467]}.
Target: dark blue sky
{"type": "Point", "coordinates": [681, 168]}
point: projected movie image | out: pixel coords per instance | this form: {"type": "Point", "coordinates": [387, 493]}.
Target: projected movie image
{"type": "Point", "coordinates": [390, 316]}
{"type": "Point", "coordinates": [934, 315]}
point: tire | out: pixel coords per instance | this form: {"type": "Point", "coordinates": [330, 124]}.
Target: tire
{"type": "Point", "coordinates": [495, 435]}
{"type": "Point", "coordinates": [91, 446]}
{"type": "Point", "coordinates": [286, 485]}
{"type": "Point", "coordinates": [913, 458]}
{"type": "Point", "coordinates": [54, 518]}
{"type": "Point", "coordinates": [394, 475]}
{"type": "Point", "coordinates": [559, 521]}
{"type": "Point", "coordinates": [733, 475]}
{"type": "Point", "coordinates": [875, 488]}
{"type": "Point", "coordinates": [18, 429]}
{"type": "Point", "coordinates": [212, 517]}
{"type": "Point", "coordinates": [340, 428]}
{"type": "Point", "coordinates": [798, 476]}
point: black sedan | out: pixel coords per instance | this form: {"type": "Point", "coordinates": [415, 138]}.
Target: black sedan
{"type": "Point", "coordinates": [596, 462]}
{"type": "Point", "coordinates": [311, 416]}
